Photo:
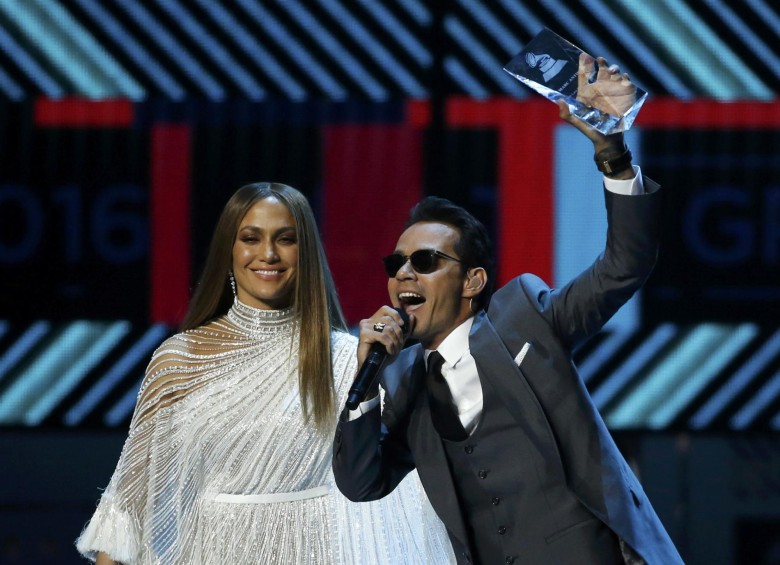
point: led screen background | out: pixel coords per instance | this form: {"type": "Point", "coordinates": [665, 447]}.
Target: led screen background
{"type": "Point", "coordinates": [124, 127]}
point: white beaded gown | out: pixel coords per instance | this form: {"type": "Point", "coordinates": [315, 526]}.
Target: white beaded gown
{"type": "Point", "coordinates": [219, 467]}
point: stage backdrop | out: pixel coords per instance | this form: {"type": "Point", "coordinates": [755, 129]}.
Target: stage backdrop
{"type": "Point", "coordinates": [106, 210]}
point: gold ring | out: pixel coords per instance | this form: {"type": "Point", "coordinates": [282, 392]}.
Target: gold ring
{"type": "Point", "coordinates": [379, 326]}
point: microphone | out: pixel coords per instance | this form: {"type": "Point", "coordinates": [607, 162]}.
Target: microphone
{"type": "Point", "coordinates": [370, 368]}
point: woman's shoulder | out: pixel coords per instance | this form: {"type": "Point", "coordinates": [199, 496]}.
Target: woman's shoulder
{"type": "Point", "coordinates": [166, 367]}
{"type": "Point", "coordinates": [179, 345]}
{"type": "Point", "coordinates": [203, 337]}
{"type": "Point", "coordinates": [182, 358]}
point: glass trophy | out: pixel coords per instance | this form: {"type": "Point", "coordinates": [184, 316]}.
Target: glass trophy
{"type": "Point", "coordinates": [557, 69]}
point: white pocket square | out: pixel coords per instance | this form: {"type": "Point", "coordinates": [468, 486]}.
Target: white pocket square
{"type": "Point", "coordinates": [521, 355]}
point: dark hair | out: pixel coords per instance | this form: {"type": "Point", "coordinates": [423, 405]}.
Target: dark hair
{"type": "Point", "coordinates": [315, 303]}
{"type": "Point", "coordinates": [473, 246]}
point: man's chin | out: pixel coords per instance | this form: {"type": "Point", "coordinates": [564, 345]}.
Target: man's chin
{"type": "Point", "coordinates": [425, 340]}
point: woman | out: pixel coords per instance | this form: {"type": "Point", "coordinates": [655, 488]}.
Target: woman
{"type": "Point", "coordinates": [228, 458]}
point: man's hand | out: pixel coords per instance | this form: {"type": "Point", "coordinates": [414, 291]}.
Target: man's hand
{"type": "Point", "coordinates": [383, 327]}
{"type": "Point", "coordinates": [610, 91]}
{"type": "Point", "coordinates": [613, 144]}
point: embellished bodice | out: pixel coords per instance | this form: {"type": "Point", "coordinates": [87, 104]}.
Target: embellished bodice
{"type": "Point", "coordinates": [231, 388]}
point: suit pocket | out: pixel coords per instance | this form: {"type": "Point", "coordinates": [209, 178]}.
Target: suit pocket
{"type": "Point", "coordinates": [520, 356]}
{"type": "Point", "coordinates": [594, 522]}
{"type": "Point", "coordinates": [632, 483]}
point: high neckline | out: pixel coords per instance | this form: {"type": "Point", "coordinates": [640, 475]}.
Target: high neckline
{"type": "Point", "coordinates": [259, 322]}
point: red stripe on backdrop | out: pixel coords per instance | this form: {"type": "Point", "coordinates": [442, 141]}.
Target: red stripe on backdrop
{"type": "Point", "coordinates": [372, 176]}
{"type": "Point", "coordinates": [78, 112]}
{"type": "Point", "coordinates": [673, 113]}
{"type": "Point", "coordinates": [525, 181]}
{"type": "Point", "coordinates": [169, 231]}
{"type": "Point", "coordinates": [525, 191]}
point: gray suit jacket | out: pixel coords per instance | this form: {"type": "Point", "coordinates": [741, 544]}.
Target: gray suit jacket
{"type": "Point", "coordinates": [544, 392]}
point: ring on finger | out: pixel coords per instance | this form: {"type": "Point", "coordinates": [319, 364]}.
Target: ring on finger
{"type": "Point", "coordinates": [379, 326]}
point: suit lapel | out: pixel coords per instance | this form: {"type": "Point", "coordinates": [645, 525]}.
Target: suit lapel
{"type": "Point", "coordinates": [496, 366]}
{"type": "Point", "coordinates": [431, 460]}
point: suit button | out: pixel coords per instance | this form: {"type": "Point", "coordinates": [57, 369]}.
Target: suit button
{"type": "Point", "coordinates": [482, 474]}
{"type": "Point", "coordinates": [509, 559]}
{"type": "Point", "coordinates": [495, 500]}
{"type": "Point", "coordinates": [501, 530]}
{"type": "Point", "coordinates": [469, 449]}
{"type": "Point", "coordinates": [466, 557]}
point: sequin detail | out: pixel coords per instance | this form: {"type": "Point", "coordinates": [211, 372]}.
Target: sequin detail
{"type": "Point", "coordinates": [219, 414]}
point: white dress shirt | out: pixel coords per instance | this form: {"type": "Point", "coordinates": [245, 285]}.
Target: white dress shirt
{"type": "Point", "coordinates": [460, 372]}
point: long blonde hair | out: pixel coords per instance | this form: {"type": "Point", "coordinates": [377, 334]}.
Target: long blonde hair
{"type": "Point", "coordinates": [315, 304]}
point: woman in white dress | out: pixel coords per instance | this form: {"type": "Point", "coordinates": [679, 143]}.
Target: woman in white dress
{"type": "Point", "coordinates": [228, 459]}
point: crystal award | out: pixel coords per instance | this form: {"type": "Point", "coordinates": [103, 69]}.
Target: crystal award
{"type": "Point", "coordinates": [557, 69]}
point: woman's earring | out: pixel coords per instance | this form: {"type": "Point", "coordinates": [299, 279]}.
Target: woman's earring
{"type": "Point", "coordinates": [232, 283]}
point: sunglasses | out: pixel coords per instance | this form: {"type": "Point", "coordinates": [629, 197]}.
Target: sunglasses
{"type": "Point", "coordinates": [423, 261]}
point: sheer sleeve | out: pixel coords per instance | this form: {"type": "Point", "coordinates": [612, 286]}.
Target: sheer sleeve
{"type": "Point", "coordinates": [117, 527]}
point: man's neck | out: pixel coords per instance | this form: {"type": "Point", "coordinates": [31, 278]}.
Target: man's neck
{"type": "Point", "coordinates": [457, 333]}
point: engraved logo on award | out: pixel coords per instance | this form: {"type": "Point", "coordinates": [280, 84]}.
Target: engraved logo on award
{"type": "Point", "coordinates": [548, 66]}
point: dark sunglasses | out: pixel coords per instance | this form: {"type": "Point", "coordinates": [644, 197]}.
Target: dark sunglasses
{"type": "Point", "coordinates": [423, 261]}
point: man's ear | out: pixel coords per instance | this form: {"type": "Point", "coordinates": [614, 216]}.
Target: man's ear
{"type": "Point", "coordinates": [476, 279]}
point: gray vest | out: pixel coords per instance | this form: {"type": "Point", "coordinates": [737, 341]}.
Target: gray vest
{"type": "Point", "coordinates": [515, 502]}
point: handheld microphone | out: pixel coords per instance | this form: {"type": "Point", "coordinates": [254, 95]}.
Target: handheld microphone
{"type": "Point", "coordinates": [370, 368]}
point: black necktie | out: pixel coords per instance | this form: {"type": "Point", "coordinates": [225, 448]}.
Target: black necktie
{"type": "Point", "coordinates": [443, 410]}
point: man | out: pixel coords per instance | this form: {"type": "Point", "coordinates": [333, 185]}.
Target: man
{"type": "Point", "coordinates": [488, 407]}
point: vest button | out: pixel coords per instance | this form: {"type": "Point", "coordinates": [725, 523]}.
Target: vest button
{"type": "Point", "coordinates": [482, 474]}
{"type": "Point", "coordinates": [495, 500]}
{"type": "Point", "coordinates": [501, 530]}
{"type": "Point", "coordinates": [509, 559]}
{"type": "Point", "coordinates": [469, 449]}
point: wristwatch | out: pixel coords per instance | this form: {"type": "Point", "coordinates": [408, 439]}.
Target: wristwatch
{"type": "Point", "coordinates": [612, 167]}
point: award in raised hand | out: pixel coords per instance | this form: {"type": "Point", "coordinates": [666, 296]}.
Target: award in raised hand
{"type": "Point", "coordinates": [596, 93]}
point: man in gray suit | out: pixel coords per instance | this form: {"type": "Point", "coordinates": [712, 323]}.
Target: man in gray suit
{"type": "Point", "coordinates": [488, 407]}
